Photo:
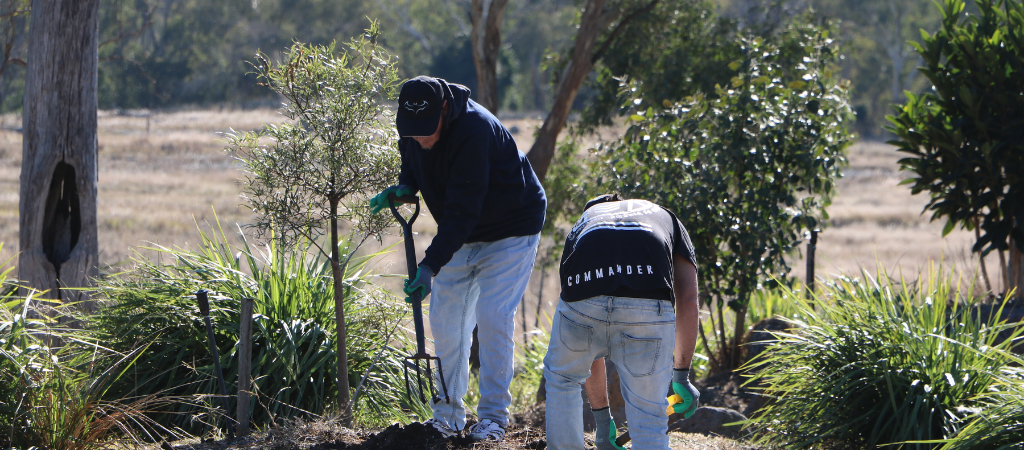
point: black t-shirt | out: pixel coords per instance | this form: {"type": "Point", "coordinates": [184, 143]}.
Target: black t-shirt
{"type": "Point", "coordinates": [623, 248]}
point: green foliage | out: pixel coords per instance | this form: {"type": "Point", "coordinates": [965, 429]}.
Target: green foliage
{"type": "Point", "coordinates": [14, 20]}
{"type": "Point", "coordinates": [293, 332]}
{"type": "Point", "coordinates": [674, 50]}
{"type": "Point", "coordinates": [159, 53]}
{"type": "Point", "coordinates": [998, 424]}
{"type": "Point", "coordinates": [882, 362]}
{"type": "Point", "coordinates": [769, 303]}
{"type": "Point", "coordinates": [964, 139]}
{"type": "Point", "coordinates": [879, 61]}
{"type": "Point", "coordinates": [529, 370]}
{"type": "Point", "coordinates": [320, 169]}
{"type": "Point", "coordinates": [55, 397]}
{"type": "Point", "coordinates": [339, 147]}
{"type": "Point", "coordinates": [746, 170]}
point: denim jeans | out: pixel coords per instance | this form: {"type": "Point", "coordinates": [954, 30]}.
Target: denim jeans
{"type": "Point", "coordinates": [638, 335]}
{"type": "Point", "coordinates": [482, 285]}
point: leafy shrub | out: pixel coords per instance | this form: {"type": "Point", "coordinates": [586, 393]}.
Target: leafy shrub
{"type": "Point", "coordinates": [746, 168]}
{"type": "Point", "coordinates": [962, 139]}
{"type": "Point", "coordinates": [293, 331]}
{"type": "Point", "coordinates": [881, 363]}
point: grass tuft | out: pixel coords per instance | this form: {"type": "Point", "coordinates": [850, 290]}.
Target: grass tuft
{"type": "Point", "coordinates": [881, 363]}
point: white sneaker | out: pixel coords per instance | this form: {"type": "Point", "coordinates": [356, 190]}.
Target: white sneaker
{"type": "Point", "coordinates": [440, 427]}
{"type": "Point", "coordinates": [486, 429]}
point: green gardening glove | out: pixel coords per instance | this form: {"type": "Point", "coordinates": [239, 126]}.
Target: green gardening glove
{"type": "Point", "coordinates": [604, 435]}
{"type": "Point", "coordinates": [420, 283]}
{"type": "Point", "coordinates": [685, 397]}
{"type": "Point", "coordinates": [380, 201]}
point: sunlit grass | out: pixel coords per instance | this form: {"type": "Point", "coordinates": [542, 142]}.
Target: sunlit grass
{"type": "Point", "coordinates": [293, 362]}
{"type": "Point", "coordinates": [880, 363]}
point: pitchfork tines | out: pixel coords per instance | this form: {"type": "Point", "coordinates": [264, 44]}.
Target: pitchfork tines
{"type": "Point", "coordinates": [423, 369]}
{"type": "Point", "coordinates": [421, 361]}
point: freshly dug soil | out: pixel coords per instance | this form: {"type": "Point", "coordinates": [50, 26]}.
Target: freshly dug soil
{"type": "Point", "coordinates": [414, 436]}
{"type": "Point", "coordinates": [525, 431]}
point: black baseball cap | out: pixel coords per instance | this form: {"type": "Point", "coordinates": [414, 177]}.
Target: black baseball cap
{"type": "Point", "coordinates": [419, 107]}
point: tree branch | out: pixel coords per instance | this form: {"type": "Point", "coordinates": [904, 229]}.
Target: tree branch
{"type": "Point", "coordinates": [618, 28]}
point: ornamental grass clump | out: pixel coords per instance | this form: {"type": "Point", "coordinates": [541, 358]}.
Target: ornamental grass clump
{"type": "Point", "coordinates": [881, 363]}
{"type": "Point", "coordinates": [294, 332]}
{"type": "Point", "coordinates": [997, 425]}
{"type": "Point", "coordinates": [55, 380]}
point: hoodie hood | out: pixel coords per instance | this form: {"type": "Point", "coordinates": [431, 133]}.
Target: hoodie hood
{"type": "Point", "coordinates": [457, 96]}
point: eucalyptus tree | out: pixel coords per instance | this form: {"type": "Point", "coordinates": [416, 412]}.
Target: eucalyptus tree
{"type": "Point", "coordinates": [963, 139]}
{"type": "Point", "coordinates": [600, 23]}
{"type": "Point", "coordinates": [746, 169]}
{"type": "Point", "coordinates": [57, 204]}
{"type": "Point", "coordinates": [305, 178]}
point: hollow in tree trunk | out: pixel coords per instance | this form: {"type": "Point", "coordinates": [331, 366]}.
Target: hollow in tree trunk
{"type": "Point", "coordinates": [58, 237]}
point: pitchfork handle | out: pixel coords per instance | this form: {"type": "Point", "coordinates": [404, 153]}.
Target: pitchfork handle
{"type": "Point", "coordinates": [410, 260]}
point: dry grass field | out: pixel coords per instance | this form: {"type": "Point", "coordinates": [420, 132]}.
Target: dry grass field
{"type": "Point", "coordinates": [162, 173]}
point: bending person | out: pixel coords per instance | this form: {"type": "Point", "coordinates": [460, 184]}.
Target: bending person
{"type": "Point", "coordinates": [624, 264]}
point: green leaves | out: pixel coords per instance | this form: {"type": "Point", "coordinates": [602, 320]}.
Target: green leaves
{"type": "Point", "coordinates": [733, 165]}
{"type": "Point", "coordinates": [964, 137]}
{"type": "Point", "coordinates": [881, 363]}
{"type": "Point", "coordinates": [340, 147]}
{"type": "Point", "coordinates": [294, 331]}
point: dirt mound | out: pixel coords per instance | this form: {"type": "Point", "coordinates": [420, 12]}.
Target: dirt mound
{"type": "Point", "coordinates": [414, 436]}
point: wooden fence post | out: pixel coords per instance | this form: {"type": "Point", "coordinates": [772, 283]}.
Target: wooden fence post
{"type": "Point", "coordinates": [244, 366]}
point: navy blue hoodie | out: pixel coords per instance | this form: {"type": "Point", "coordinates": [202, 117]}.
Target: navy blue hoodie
{"type": "Point", "coordinates": [478, 186]}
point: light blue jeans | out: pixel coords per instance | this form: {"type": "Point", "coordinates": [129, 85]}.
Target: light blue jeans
{"type": "Point", "coordinates": [638, 335]}
{"type": "Point", "coordinates": [482, 285]}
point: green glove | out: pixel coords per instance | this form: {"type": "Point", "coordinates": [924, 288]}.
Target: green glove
{"type": "Point", "coordinates": [421, 283]}
{"type": "Point", "coordinates": [604, 435]}
{"type": "Point", "coordinates": [380, 201]}
{"type": "Point", "coordinates": [686, 396]}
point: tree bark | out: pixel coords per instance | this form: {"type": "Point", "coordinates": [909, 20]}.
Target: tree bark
{"type": "Point", "coordinates": [543, 149]}
{"type": "Point", "coordinates": [486, 39]}
{"type": "Point", "coordinates": [1016, 270]}
{"type": "Point", "coordinates": [58, 236]}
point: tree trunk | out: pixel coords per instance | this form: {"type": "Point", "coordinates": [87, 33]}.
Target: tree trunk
{"type": "Point", "coordinates": [739, 330]}
{"type": "Point", "coordinates": [591, 25]}
{"type": "Point", "coordinates": [339, 316]}
{"type": "Point", "coordinates": [1015, 268]}
{"type": "Point", "coordinates": [58, 237]}
{"type": "Point", "coordinates": [486, 39]}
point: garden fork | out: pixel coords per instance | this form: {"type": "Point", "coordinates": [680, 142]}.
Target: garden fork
{"type": "Point", "coordinates": [417, 313]}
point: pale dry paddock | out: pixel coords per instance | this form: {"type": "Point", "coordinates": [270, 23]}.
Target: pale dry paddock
{"type": "Point", "coordinates": [161, 172]}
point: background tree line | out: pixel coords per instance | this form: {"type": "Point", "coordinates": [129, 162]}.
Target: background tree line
{"type": "Point", "coordinates": [166, 53]}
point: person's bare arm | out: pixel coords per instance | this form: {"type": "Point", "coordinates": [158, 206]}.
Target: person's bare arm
{"type": "Point", "coordinates": [687, 312]}
{"type": "Point", "coordinates": [597, 385]}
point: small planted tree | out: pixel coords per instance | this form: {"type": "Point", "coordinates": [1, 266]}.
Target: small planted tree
{"type": "Point", "coordinates": [746, 170]}
{"type": "Point", "coordinates": [965, 138]}
{"type": "Point", "coordinates": [309, 177]}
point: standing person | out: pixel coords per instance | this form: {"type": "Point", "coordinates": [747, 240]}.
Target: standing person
{"type": "Point", "coordinates": [489, 207]}
{"type": "Point", "coordinates": [624, 264]}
